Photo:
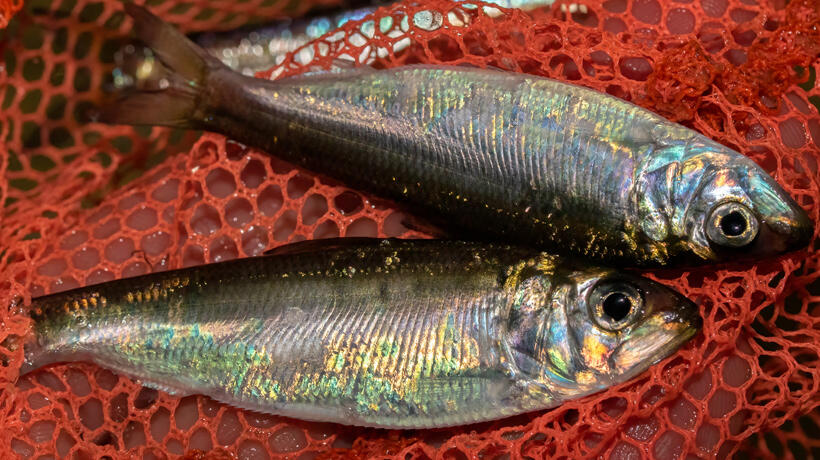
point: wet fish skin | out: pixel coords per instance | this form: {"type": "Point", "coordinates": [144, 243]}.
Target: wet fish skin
{"type": "Point", "coordinates": [396, 334]}
{"type": "Point", "coordinates": [491, 154]}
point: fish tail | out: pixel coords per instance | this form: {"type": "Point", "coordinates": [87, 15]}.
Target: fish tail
{"type": "Point", "coordinates": [34, 356]}
{"type": "Point", "coordinates": [43, 343]}
{"type": "Point", "coordinates": [163, 84]}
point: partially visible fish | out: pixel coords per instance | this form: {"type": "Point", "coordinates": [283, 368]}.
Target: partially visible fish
{"type": "Point", "coordinates": [384, 333]}
{"type": "Point", "coordinates": [492, 154]}
{"type": "Point", "coordinates": [250, 50]}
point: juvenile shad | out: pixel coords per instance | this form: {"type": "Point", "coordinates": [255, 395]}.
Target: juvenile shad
{"type": "Point", "coordinates": [491, 155]}
{"type": "Point", "coordinates": [395, 334]}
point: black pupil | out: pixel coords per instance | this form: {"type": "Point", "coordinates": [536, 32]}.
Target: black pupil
{"type": "Point", "coordinates": [617, 306]}
{"type": "Point", "coordinates": [733, 224]}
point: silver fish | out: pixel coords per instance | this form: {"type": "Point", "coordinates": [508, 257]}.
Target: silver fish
{"type": "Point", "coordinates": [491, 154]}
{"type": "Point", "coordinates": [394, 334]}
{"type": "Point", "coordinates": [252, 50]}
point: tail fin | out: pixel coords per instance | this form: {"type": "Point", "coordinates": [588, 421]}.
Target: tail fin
{"type": "Point", "coordinates": [31, 352]}
{"type": "Point", "coordinates": [164, 86]}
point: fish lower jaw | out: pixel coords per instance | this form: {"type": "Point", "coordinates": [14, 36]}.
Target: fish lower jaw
{"type": "Point", "coordinates": [667, 350]}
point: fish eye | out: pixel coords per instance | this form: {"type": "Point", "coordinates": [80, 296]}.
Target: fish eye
{"type": "Point", "coordinates": [615, 304]}
{"type": "Point", "coordinates": [731, 224]}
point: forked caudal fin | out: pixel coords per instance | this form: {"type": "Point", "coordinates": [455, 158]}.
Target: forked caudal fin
{"type": "Point", "coordinates": [166, 86]}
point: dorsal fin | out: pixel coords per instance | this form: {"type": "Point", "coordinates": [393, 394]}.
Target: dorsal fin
{"type": "Point", "coordinates": [324, 244]}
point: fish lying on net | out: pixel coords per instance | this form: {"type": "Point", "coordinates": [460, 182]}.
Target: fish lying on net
{"type": "Point", "coordinates": [495, 155]}
{"type": "Point", "coordinates": [387, 333]}
{"type": "Point", "coordinates": [250, 50]}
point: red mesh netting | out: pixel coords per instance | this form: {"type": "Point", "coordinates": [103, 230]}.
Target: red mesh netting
{"type": "Point", "coordinates": [7, 10]}
{"type": "Point", "coordinates": [85, 203]}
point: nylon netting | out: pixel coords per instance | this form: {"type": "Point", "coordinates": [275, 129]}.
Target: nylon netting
{"type": "Point", "coordinates": [85, 203]}
{"type": "Point", "coordinates": [7, 10]}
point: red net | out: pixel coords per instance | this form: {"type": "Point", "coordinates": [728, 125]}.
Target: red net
{"type": "Point", "coordinates": [7, 10]}
{"type": "Point", "coordinates": [85, 203]}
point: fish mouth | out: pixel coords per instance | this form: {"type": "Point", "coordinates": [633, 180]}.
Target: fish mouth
{"type": "Point", "coordinates": [801, 232]}
{"type": "Point", "coordinates": [774, 237]}
{"type": "Point", "coordinates": [672, 337]}
{"type": "Point", "coordinates": [686, 334]}
{"type": "Point", "coordinates": [672, 346]}
{"type": "Point", "coordinates": [683, 335]}
{"type": "Point", "coordinates": [784, 226]}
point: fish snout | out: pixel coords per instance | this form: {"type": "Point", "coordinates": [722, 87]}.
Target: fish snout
{"type": "Point", "coordinates": [780, 234]}
{"type": "Point", "coordinates": [800, 232]}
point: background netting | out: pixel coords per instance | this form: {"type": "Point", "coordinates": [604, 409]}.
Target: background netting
{"type": "Point", "coordinates": [85, 203]}
{"type": "Point", "coordinates": [7, 10]}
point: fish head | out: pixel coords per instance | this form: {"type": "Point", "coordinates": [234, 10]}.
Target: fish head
{"type": "Point", "coordinates": [593, 328]}
{"type": "Point", "coordinates": [723, 207]}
